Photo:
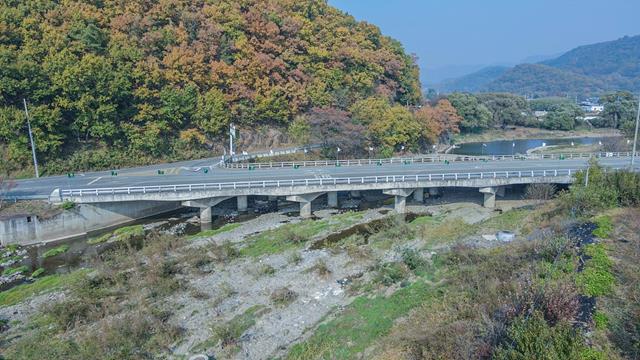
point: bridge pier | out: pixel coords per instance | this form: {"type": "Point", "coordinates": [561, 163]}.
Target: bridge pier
{"type": "Point", "coordinates": [401, 195]}
{"type": "Point", "coordinates": [332, 199]}
{"type": "Point", "coordinates": [242, 203]}
{"type": "Point", "coordinates": [489, 196]}
{"type": "Point", "coordinates": [418, 195]}
{"type": "Point", "coordinates": [205, 206]}
{"type": "Point", "coordinates": [305, 203]}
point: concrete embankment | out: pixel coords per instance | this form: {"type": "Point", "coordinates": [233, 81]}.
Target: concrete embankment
{"type": "Point", "coordinates": [29, 229]}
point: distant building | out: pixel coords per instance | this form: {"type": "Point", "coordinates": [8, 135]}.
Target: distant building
{"type": "Point", "coordinates": [540, 114]}
{"type": "Point", "coordinates": [591, 108]}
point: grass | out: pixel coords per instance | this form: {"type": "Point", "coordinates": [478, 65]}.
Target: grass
{"type": "Point", "coordinates": [214, 232]}
{"type": "Point", "coordinates": [605, 227]}
{"type": "Point", "coordinates": [55, 251]}
{"type": "Point", "coordinates": [129, 232]}
{"type": "Point", "coordinates": [11, 271]}
{"type": "Point", "coordinates": [42, 285]}
{"type": "Point", "coordinates": [363, 322]}
{"type": "Point", "coordinates": [597, 278]}
{"type": "Point", "coordinates": [293, 236]}
{"type": "Point", "coordinates": [230, 332]}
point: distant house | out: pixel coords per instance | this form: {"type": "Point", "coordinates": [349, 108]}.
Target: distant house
{"type": "Point", "coordinates": [540, 114]}
{"type": "Point", "coordinates": [591, 108]}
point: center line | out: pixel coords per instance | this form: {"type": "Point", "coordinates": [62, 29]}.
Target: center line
{"type": "Point", "coordinates": [94, 180]}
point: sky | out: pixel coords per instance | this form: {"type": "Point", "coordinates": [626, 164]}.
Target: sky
{"type": "Point", "coordinates": [461, 36]}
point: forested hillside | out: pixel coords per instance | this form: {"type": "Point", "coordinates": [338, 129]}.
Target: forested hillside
{"type": "Point", "coordinates": [584, 71]}
{"type": "Point", "coordinates": [117, 81]}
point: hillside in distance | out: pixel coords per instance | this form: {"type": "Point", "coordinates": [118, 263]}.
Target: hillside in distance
{"type": "Point", "coordinates": [586, 70]}
{"type": "Point", "coordinates": [473, 82]}
{"type": "Point", "coordinates": [155, 78]}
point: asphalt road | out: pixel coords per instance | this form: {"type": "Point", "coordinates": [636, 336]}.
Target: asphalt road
{"type": "Point", "coordinates": [44, 186]}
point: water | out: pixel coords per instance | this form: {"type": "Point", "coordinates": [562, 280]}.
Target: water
{"type": "Point", "coordinates": [512, 147]}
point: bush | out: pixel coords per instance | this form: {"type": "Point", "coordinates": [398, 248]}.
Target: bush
{"type": "Point", "coordinates": [37, 273]}
{"type": "Point", "coordinates": [605, 227]}
{"type": "Point", "coordinates": [596, 279]}
{"type": "Point", "coordinates": [56, 251]}
{"type": "Point", "coordinates": [540, 191]}
{"type": "Point", "coordinates": [391, 273]}
{"type": "Point", "coordinates": [413, 259]}
{"type": "Point", "coordinates": [283, 296]}
{"type": "Point", "coordinates": [532, 338]}
{"type": "Point", "coordinates": [68, 205]}
{"type": "Point", "coordinates": [10, 271]}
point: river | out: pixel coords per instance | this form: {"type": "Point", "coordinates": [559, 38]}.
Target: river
{"type": "Point", "coordinates": [520, 146]}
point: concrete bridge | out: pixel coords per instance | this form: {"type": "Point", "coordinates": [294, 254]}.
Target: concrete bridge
{"type": "Point", "coordinates": [104, 201]}
{"type": "Point", "coordinates": [304, 191]}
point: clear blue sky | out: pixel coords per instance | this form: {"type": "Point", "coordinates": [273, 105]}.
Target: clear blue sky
{"type": "Point", "coordinates": [444, 33]}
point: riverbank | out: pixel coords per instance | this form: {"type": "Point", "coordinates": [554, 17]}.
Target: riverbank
{"type": "Point", "coordinates": [533, 133]}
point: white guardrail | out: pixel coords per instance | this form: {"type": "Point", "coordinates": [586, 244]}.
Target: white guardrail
{"type": "Point", "coordinates": [316, 182]}
{"type": "Point", "coordinates": [424, 159]}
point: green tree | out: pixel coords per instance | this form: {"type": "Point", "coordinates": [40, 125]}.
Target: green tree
{"type": "Point", "coordinates": [212, 114]}
{"type": "Point", "coordinates": [562, 117]}
{"type": "Point", "coordinates": [475, 116]}
{"type": "Point", "coordinates": [506, 109]}
{"type": "Point", "coordinates": [619, 110]}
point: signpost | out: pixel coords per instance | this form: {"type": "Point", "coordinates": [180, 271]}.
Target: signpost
{"type": "Point", "coordinates": [33, 146]}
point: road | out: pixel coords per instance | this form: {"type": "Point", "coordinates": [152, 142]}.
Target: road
{"type": "Point", "coordinates": [44, 186]}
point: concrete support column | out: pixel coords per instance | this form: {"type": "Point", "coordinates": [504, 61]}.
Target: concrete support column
{"type": "Point", "coordinates": [242, 203]}
{"type": "Point", "coordinates": [205, 215]}
{"type": "Point", "coordinates": [401, 195]}
{"type": "Point", "coordinates": [332, 199]}
{"type": "Point", "coordinates": [434, 191]}
{"type": "Point", "coordinates": [418, 195]}
{"type": "Point", "coordinates": [489, 196]}
{"type": "Point", "coordinates": [305, 203]}
{"type": "Point", "coordinates": [305, 209]}
{"type": "Point", "coordinates": [355, 194]}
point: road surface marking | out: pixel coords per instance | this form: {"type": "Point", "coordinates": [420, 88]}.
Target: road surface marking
{"type": "Point", "coordinates": [94, 180]}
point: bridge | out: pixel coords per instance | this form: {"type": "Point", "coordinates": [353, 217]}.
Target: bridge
{"type": "Point", "coordinates": [103, 200]}
{"type": "Point", "coordinates": [401, 180]}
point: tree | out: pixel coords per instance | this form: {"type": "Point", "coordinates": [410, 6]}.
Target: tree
{"type": "Point", "coordinates": [475, 116]}
{"type": "Point", "coordinates": [619, 111]}
{"type": "Point", "coordinates": [562, 117]}
{"type": "Point", "coordinates": [212, 114]}
{"type": "Point", "coordinates": [506, 109]}
{"type": "Point", "coordinates": [334, 129]}
{"type": "Point", "coordinates": [438, 122]}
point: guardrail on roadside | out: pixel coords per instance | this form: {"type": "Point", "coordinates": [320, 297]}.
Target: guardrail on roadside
{"type": "Point", "coordinates": [421, 159]}
{"type": "Point", "coordinates": [316, 182]}
{"type": "Point", "coordinates": [243, 157]}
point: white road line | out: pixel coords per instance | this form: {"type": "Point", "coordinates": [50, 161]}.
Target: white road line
{"type": "Point", "coordinates": [94, 180]}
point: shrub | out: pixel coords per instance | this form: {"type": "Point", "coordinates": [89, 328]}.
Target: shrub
{"type": "Point", "coordinates": [600, 320]}
{"type": "Point", "coordinates": [295, 258]}
{"type": "Point", "coordinates": [283, 296]}
{"type": "Point", "coordinates": [320, 268]}
{"type": "Point", "coordinates": [56, 251]}
{"type": "Point", "coordinates": [596, 279]}
{"type": "Point", "coordinates": [540, 191]}
{"type": "Point", "coordinates": [605, 227]}
{"type": "Point", "coordinates": [413, 259]}
{"type": "Point", "coordinates": [391, 273]}
{"type": "Point", "coordinates": [68, 205]}
{"type": "Point", "coordinates": [37, 273]}
{"type": "Point", "coordinates": [532, 338]}
{"type": "Point", "coordinates": [10, 271]}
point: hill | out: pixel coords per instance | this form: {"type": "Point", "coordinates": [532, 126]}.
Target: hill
{"type": "Point", "coordinates": [165, 78]}
{"type": "Point", "coordinates": [586, 70]}
{"type": "Point", "coordinates": [473, 82]}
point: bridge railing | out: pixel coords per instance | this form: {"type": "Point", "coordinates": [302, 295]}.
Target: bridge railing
{"type": "Point", "coordinates": [423, 159]}
{"type": "Point", "coordinates": [315, 182]}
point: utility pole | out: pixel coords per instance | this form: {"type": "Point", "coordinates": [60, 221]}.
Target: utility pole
{"type": "Point", "coordinates": [232, 135]}
{"type": "Point", "coordinates": [33, 146]}
{"type": "Point", "coordinates": [635, 137]}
